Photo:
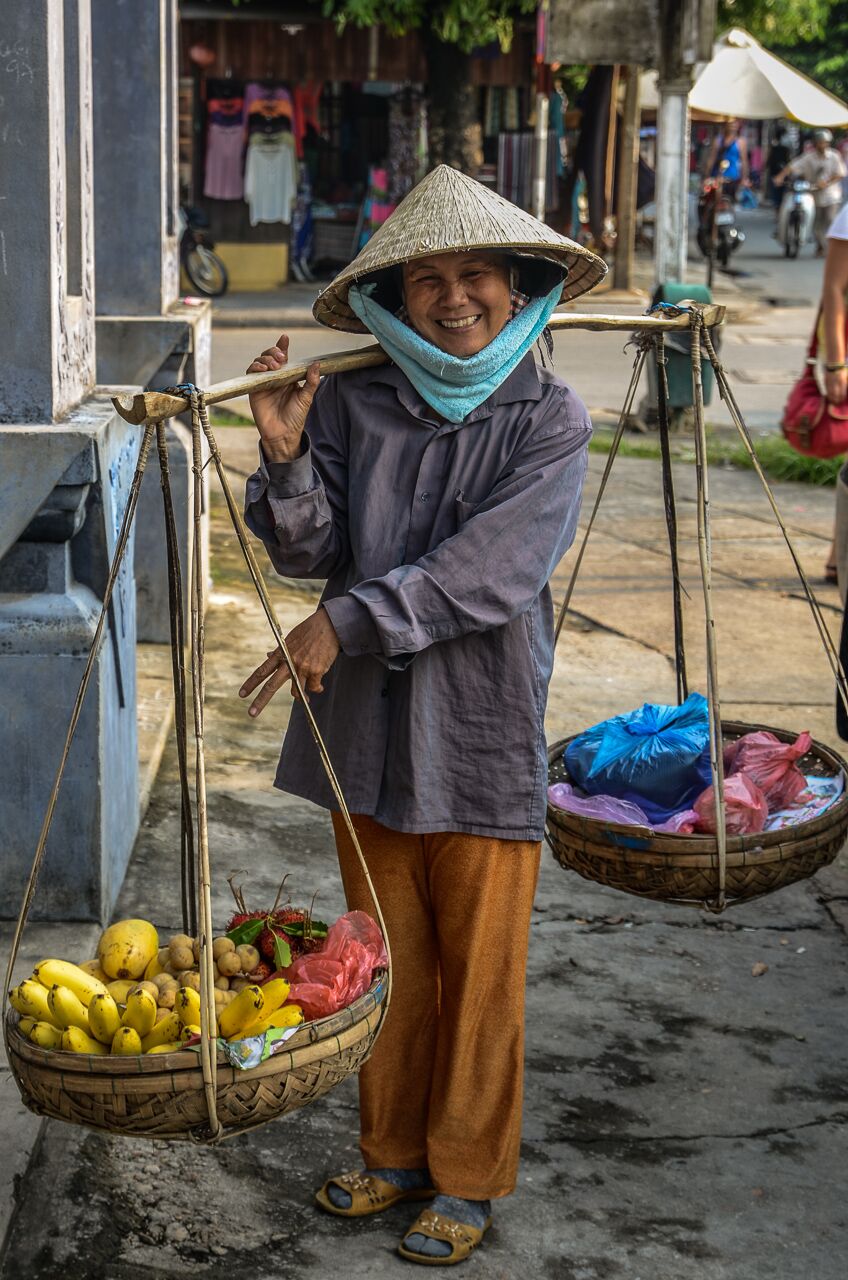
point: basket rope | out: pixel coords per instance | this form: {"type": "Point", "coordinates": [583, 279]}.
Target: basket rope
{"type": "Point", "coordinates": [727, 395]}
{"type": "Point", "coordinates": [176, 622]}
{"type": "Point", "coordinates": [663, 419]}
{"type": "Point", "coordinates": [702, 483]}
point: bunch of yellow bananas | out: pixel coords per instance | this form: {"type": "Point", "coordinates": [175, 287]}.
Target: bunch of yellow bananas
{"type": "Point", "coordinates": [66, 1006]}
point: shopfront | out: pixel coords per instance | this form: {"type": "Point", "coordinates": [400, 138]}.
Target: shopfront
{"type": "Point", "coordinates": [297, 141]}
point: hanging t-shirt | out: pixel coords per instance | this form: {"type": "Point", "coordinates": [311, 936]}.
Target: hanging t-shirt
{"type": "Point", "coordinates": [270, 177]}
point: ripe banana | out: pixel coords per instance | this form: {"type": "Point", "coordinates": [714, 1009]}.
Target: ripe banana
{"type": "Point", "coordinates": [30, 999]}
{"type": "Point", "coordinates": [275, 993]}
{"type": "Point", "coordinates": [189, 1031]}
{"type": "Point", "coordinates": [52, 973]}
{"type": "Point", "coordinates": [67, 1010]}
{"type": "Point", "coordinates": [103, 1018]}
{"type": "Point", "coordinates": [290, 1016]}
{"type": "Point", "coordinates": [187, 1006]}
{"type": "Point", "coordinates": [46, 1036]}
{"type": "Point", "coordinates": [93, 967]}
{"type": "Point", "coordinates": [26, 1024]}
{"type": "Point", "coordinates": [74, 1040]}
{"type": "Point", "coordinates": [166, 1031]}
{"type": "Point", "coordinates": [126, 1042]}
{"type": "Point", "coordinates": [140, 1013]}
{"type": "Point", "coordinates": [247, 1007]}
{"type": "Point", "coordinates": [174, 1047]}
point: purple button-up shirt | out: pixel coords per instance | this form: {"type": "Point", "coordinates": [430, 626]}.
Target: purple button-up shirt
{"type": "Point", "coordinates": [437, 541]}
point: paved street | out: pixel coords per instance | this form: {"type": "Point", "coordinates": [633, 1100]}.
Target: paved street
{"type": "Point", "coordinates": [684, 1119]}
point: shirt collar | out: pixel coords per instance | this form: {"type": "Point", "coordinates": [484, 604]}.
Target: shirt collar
{"type": "Point", "coordinates": [522, 384]}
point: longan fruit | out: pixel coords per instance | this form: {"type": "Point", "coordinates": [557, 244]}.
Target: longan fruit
{"type": "Point", "coordinates": [238, 984]}
{"type": "Point", "coordinates": [191, 979]}
{"type": "Point", "coordinates": [180, 940]}
{"type": "Point", "coordinates": [163, 956]}
{"type": "Point", "coordinates": [249, 957]}
{"type": "Point", "coordinates": [229, 964]}
{"type": "Point", "coordinates": [163, 981]}
{"type": "Point", "coordinates": [220, 946]}
{"type": "Point", "coordinates": [181, 958]}
{"type": "Point", "coordinates": [161, 1012]}
{"type": "Point", "coordinates": [222, 984]}
{"type": "Point", "coordinates": [168, 998]}
{"type": "Point", "coordinates": [220, 998]}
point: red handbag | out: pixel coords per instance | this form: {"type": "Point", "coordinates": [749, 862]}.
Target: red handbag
{"type": "Point", "coordinates": [811, 424]}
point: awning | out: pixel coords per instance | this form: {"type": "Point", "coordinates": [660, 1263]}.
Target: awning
{"type": "Point", "coordinates": [747, 81]}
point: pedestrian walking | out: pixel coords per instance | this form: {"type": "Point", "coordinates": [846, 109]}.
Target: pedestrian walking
{"type": "Point", "coordinates": [834, 320]}
{"type": "Point", "coordinates": [436, 495]}
{"type": "Point", "coordinates": [824, 168]}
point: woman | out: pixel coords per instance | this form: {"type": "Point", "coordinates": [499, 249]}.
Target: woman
{"type": "Point", "coordinates": [832, 340]}
{"type": "Point", "coordinates": [436, 495]}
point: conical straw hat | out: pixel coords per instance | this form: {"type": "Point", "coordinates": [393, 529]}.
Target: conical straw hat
{"type": "Point", "coordinates": [449, 212]}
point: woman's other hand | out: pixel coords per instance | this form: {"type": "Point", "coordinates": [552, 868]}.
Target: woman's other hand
{"type": "Point", "coordinates": [836, 386]}
{"type": "Point", "coordinates": [313, 646]}
{"type": "Point", "coordinates": [280, 414]}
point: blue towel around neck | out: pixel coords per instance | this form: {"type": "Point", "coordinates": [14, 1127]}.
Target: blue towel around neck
{"type": "Point", "coordinates": [454, 385]}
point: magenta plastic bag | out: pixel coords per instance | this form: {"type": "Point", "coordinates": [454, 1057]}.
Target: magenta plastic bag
{"type": "Point", "coordinates": [745, 807]}
{"type": "Point", "coordinates": [771, 764]}
{"type": "Point", "coordinates": [610, 809]}
{"type": "Point", "coordinates": [332, 978]}
{"type": "Point", "coordinates": [600, 808]}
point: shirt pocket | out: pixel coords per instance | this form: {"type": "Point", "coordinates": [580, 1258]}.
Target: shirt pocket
{"type": "Point", "coordinates": [463, 508]}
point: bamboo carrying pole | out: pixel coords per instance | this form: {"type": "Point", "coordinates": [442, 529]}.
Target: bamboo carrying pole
{"type": "Point", "coordinates": [154, 406]}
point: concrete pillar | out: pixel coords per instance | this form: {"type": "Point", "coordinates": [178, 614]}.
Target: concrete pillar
{"type": "Point", "coordinates": [66, 460]}
{"type": "Point", "coordinates": [672, 181]}
{"type": "Point", "coordinates": [46, 232]}
{"type": "Point", "coordinates": [145, 335]}
{"type": "Point", "coordinates": [51, 586]}
{"type": "Point", "coordinates": [135, 154]}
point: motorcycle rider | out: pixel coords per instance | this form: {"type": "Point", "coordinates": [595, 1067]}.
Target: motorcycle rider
{"type": "Point", "coordinates": [730, 148]}
{"type": "Point", "coordinates": [824, 169]}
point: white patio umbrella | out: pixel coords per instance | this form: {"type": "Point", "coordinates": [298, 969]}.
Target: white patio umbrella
{"type": "Point", "coordinates": [745, 80]}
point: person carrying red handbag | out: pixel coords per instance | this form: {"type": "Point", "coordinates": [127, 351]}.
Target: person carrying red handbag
{"type": "Point", "coordinates": [833, 303]}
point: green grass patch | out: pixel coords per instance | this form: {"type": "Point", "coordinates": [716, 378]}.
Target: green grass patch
{"type": "Point", "coordinates": [223, 418]}
{"type": "Point", "coordinates": [778, 460]}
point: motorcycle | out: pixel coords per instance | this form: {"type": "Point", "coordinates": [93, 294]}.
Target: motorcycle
{"type": "Point", "coordinates": [201, 264]}
{"type": "Point", "coordinates": [796, 217]}
{"type": "Point", "coordinates": [718, 235]}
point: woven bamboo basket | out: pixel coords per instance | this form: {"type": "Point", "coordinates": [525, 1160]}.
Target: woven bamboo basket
{"type": "Point", "coordinates": [186, 1094]}
{"type": "Point", "coordinates": [162, 1096]}
{"type": "Point", "coordinates": [684, 869]}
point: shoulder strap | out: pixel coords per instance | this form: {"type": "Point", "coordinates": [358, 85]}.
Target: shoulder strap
{"type": "Point", "coordinates": [812, 349]}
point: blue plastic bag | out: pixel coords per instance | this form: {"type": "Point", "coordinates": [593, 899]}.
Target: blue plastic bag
{"type": "Point", "coordinates": [657, 757]}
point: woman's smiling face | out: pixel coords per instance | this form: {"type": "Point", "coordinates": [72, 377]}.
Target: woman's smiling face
{"type": "Point", "coordinates": [458, 301]}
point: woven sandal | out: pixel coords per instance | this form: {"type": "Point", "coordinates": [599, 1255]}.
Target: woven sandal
{"type": "Point", "coordinates": [368, 1194]}
{"type": "Point", "coordinates": [462, 1238]}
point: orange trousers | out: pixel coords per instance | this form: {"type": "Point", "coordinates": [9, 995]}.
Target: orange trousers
{"type": "Point", "coordinates": [443, 1088]}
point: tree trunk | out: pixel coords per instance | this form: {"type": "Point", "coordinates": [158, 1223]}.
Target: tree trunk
{"type": "Point", "coordinates": [455, 135]}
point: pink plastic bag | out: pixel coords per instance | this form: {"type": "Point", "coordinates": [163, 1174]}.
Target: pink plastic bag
{"type": "Point", "coordinates": [681, 824]}
{"type": "Point", "coordinates": [332, 978]}
{"type": "Point", "coordinates": [745, 807]}
{"type": "Point", "coordinates": [770, 763]}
